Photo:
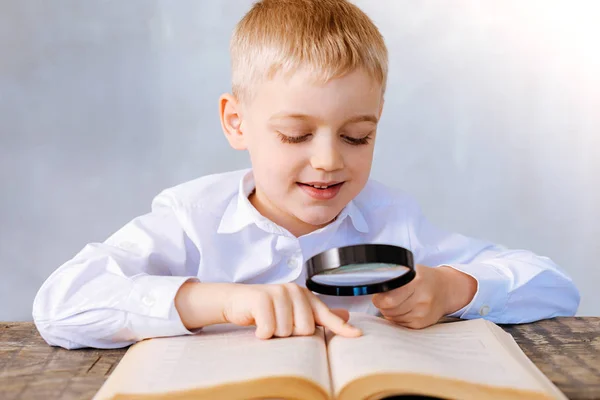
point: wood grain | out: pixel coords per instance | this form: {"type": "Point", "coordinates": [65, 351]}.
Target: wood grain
{"type": "Point", "coordinates": [567, 350]}
{"type": "Point", "coordinates": [30, 369]}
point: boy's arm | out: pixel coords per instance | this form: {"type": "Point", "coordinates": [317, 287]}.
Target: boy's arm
{"type": "Point", "coordinates": [513, 286]}
{"type": "Point", "coordinates": [115, 293]}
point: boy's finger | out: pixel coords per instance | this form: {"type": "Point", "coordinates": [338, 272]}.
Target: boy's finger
{"type": "Point", "coordinates": [264, 318]}
{"type": "Point", "coordinates": [325, 317]}
{"type": "Point", "coordinates": [393, 298]}
{"type": "Point", "coordinates": [342, 313]}
{"type": "Point", "coordinates": [396, 314]}
{"type": "Point", "coordinates": [284, 314]}
{"type": "Point", "coordinates": [304, 320]}
{"type": "Point", "coordinates": [403, 308]}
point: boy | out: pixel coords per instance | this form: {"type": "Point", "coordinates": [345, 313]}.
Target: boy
{"type": "Point", "coordinates": [308, 83]}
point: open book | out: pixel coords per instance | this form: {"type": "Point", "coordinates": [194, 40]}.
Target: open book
{"type": "Point", "coordinates": [460, 360]}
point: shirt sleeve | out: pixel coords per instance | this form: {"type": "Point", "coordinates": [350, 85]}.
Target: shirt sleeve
{"type": "Point", "coordinates": [513, 286]}
{"type": "Point", "coordinates": [116, 293]}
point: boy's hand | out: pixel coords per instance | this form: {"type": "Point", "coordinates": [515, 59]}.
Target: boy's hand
{"type": "Point", "coordinates": [432, 294]}
{"type": "Point", "coordinates": [284, 310]}
{"type": "Point", "coordinates": [276, 310]}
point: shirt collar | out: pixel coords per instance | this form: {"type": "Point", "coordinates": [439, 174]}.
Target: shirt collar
{"type": "Point", "coordinates": [240, 213]}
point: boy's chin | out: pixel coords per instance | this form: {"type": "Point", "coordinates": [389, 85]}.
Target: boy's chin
{"type": "Point", "coordinates": [318, 219]}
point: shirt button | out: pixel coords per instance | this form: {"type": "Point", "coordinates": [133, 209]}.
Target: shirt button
{"type": "Point", "coordinates": [483, 311]}
{"type": "Point", "coordinates": [292, 263]}
{"type": "Point", "coordinates": [148, 301]}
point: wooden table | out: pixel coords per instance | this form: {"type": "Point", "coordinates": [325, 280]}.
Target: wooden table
{"type": "Point", "coordinates": [567, 350]}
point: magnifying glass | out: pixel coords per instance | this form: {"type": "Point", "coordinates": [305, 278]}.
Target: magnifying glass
{"type": "Point", "coordinates": [360, 270]}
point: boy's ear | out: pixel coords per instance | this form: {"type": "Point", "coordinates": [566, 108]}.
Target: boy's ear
{"type": "Point", "coordinates": [231, 121]}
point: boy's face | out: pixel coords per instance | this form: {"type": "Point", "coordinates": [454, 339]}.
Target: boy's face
{"type": "Point", "coordinates": [300, 135]}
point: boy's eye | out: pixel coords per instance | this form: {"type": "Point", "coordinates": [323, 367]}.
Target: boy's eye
{"type": "Point", "coordinates": [301, 138]}
{"type": "Point", "coordinates": [357, 141]}
{"type": "Point", "coordinates": [292, 139]}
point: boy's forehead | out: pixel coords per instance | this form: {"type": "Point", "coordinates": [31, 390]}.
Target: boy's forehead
{"type": "Point", "coordinates": [311, 78]}
{"type": "Point", "coordinates": [285, 115]}
{"type": "Point", "coordinates": [291, 93]}
{"type": "Point", "coordinates": [300, 98]}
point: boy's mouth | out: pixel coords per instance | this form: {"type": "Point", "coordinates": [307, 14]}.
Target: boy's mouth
{"type": "Point", "coordinates": [321, 185]}
{"type": "Point", "coordinates": [321, 190]}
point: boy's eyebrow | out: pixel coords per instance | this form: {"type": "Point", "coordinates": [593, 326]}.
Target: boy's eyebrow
{"type": "Point", "coordinates": [362, 118]}
{"type": "Point", "coordinates": [304, 117]}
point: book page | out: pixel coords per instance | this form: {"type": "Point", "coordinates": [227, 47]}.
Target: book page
{"type": "Point", "coordinates": [466, 350]}
{"type": "Point", "coordinates": [218, 355]}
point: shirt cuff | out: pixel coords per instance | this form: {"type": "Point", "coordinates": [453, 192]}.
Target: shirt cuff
{"type": "Point", "coordinates": [492, 291]}
{"type": "Point", "coordinates": [153, 301]}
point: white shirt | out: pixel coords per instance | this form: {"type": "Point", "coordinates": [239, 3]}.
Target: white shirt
{"type": "Point", "coordinates": [115, 293]}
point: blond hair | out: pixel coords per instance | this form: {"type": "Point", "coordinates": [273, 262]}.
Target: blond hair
{"type": "Point", "coordinates": [329, 37]}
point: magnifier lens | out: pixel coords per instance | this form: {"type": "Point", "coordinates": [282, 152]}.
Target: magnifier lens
{"type": "Point", "coordinates": [360, 274]}
{"type": "Point", "coordinates": [359, 270]}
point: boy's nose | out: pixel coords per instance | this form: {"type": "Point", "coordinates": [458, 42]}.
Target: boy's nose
{"type": "Point", "coordinates": [326, 157]}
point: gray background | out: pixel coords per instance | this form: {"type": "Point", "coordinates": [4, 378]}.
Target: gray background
{"type": "Point", "coordinates": [491, 121]}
